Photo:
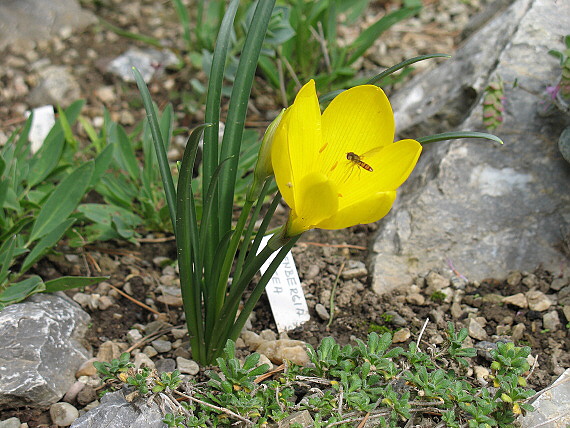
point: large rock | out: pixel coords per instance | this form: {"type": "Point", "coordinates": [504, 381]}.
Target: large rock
{"type": "Point", "coordinates": [40, 350]}
{"type": "Point", "coordinates": [483, 208]}
{"type": "Point", "coordinates": [115, 411]}
{"type": "Point", "coordinates": [29, 20]}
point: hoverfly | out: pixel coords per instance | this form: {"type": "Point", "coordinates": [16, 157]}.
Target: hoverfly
{"type": "Point", "coordinates": [355, 159]}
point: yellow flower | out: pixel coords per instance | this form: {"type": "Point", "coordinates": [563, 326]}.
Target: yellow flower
{"type": "Point", "coordinates": [340, 168]}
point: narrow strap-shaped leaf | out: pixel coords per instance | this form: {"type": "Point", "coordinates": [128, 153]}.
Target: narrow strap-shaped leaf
{"type": "Point", "coordinates": [69, 282]}
{"type": "Point", "coordinates": [403, 64]}
{"type": "Point", "coordinates": [62, 201]}
{"type": "Point", "coordinates": [45, 243]}
{"type": "Point", "coordinates": [262, 229]}
{"type": "Point", "coordinates": [260, 288]}
{"type": "Point", "coordinates": [330, 95]}
{"type": "Point", "coordinates": [159, 146]}
{"type": "Point", "coordinates": [238, 107]}
{"type": "Point", "coordinates": [371, 34]}
{"type": "Point", "coordinates": [189, 257]}
{"type": "Point", "coordinates": [456, 135]}
{"type": "Point", "coordinates": [215, 84]}
{"type": "Point", "coordinates": [246, 238]}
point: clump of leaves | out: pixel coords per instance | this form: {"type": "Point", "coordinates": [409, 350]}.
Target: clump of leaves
{"type": "Point", "coordinates": [344, 385]}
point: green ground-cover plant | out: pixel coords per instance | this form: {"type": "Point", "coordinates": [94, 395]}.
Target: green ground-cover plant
{"type": "Point", "coordinates": [38, 195]}
{"type": "Point", "coordinates": [345, 385]}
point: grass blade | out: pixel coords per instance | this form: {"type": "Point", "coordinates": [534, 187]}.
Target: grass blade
{"type": "Point", "coordinates": [238, 108]}
{"type": "Point", "coordinates": [159, 146]}
{"type": "Point", "coordinates": [456, 135]}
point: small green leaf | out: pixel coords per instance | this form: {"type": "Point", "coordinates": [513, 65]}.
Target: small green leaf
{"type": "Point", "coordinates": [69, 282]}
{"type": "Point", "coordinates": [62, 201]}
{"type": "Point", "coordinates": [457, 135]}
{"type": "Point", "coordinates": [18, 291]}
{"type": "Point", "coordinates": [45, 243]}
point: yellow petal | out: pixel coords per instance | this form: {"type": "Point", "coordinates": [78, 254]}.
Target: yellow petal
{"type": "Point", "coordinates": [357, 120]}
{"type": "Point", "coordinates": [391, 166]}
{"type": "Point", "coordinates": [304, 131]}
{"type": "Point", "coordinates": [281, 160]}
{"type": "Point", "coordinates": [316, 200]}
{"type": "Point", "coordinates": [365, 211]}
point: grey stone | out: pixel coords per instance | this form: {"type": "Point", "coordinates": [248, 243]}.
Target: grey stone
{"type": "Point", "coordinates": [303, 418]}
{"type": "Point", "coordinates": [476, 330]}
{"type": "Point", "coordinates": [564, 144]}
{"type": "Point", "coordinates": [481, 205]}
{"type": "Point", "coordinates": [551, 321]}
{"type": "Point", "coordinates": [396, 318]}
{"type": "Point", "coordinates": [322, 312]}
{"type": "Point", "coordinates": [115, 411]}
{"type": "Point", "coordinates": [63, 414]}
{"type": "Point", "coordinates": [552, 407]}
{"type": "Point", "coordinates": [355, 269]}
{"type": "Point", "coordinates": [187, 366]}
{"type": "Point", "coordinates": [147, 61]}
{"type": "Point", "coordinates": [56, 86]}
{"type": "Point", "coordinates": [41, 350]}
{"type": "Point", "coordinates": [10, 423]}
{"type": "Point", "coordinates": [29, 20]}
{"type": "Point", "coordinates": [161, 346]}
{"type": "Point", "coordinates": [165, 365]}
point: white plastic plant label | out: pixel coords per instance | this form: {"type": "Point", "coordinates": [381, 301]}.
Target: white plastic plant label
{"type": "Point", "coordinates": [43, 121]}
{"type": "Point", "coordinates": [285, 293]}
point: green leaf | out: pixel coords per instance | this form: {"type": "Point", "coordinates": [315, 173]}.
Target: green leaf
{"type": "Point", "coordinates": [46, 243]}
{"type": "Point", "coordinates": [371, 34]}
{"type": "Point", "coordinates": [6, 258]}
{"type": "Point", "coordinates": [62, 201]}
{"type": "Point", "coordinates": [126, 152]}
{"type": "Point", "coordinates": [164, 167]}
{"type": "Point", "coordinates": [102, 162]}
{"type": "Point", "coordinates": [69, 282]}
{"type": "Point", "coordinates": [18, 291]}
{"type": "Point", "coordinates": [457, 135]}
{"type": "Point", "coordinates": [47, 157]}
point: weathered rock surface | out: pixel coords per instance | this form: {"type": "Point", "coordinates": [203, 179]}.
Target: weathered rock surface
{"type": "Point", "coordinates": [552, 407]}
{"type": "Point", "coordinates": [486, 209]}
{"type": "Point", "coordinates": [41, 350]}
{"type": "Point", "coordinates": [115, 411]}
{"type": "Point", "coordinates": [28, 20]}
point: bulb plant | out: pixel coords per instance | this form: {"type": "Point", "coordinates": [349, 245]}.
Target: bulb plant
{"type": "Point", "coordinates": [336, 169]}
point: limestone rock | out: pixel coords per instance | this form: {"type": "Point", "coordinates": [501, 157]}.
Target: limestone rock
{"type": "Point", "coordinates": [29, 20]}
{"type": "Point", "coordinates": [116, 411]}
{"type": "Point", "coordinates": [479, 205]}
{"type": "Point", "coordinates": [41, 350]}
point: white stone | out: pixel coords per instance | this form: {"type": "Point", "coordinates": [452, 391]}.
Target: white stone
{"type": "Point", "coordinates": [63, 414]}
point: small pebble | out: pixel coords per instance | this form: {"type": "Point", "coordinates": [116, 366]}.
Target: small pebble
{"type": "Point", "coordinates": [322, 312]}
{"type": "Point", "coordinates": [268, 335]}
{"type": "Point", "coordinates": [87, 368]}
{"type": "Point", "coordinates": [436, 282]}
{"type": "Point", "coordinates": [10, 423]}
{"type": "Point", "coordinates": [179, 333]}
{"type": "Point", "coordinates": [63, 414]}
{"type": "Point", "coordinates": [551, 321]}
{"type": "Point", "coordinates": [401, 335]}
{"type": "Point", "coordinates": [143, 360]}
{"type": "Point", "coordinates": [161, 346]}
{"type": "Point", "coordinates": [187, 366]}
{"type": "Point", "coordinates": [355, 269]}
{"type": "Point", "coordinates": [396, 319]}
{"type": "Point", "coordinates": [519, 300]}
{"type": "Point", "coordinates": [416, 299]}
{"type": "Point", "coordinates": [150, 351]}
{"type": "Point", "coordinates": [134, 336]}
{"type": "Point", "coordinates": [538, 301]}
{"type": "Point", "coordinates": [476, 330]}
{"type": "Point", "coordinates": [165, 365]}
{"type": "Point", "coordinates": [514, 279]}
{"type": "Point", "coordinates": [518, 331]}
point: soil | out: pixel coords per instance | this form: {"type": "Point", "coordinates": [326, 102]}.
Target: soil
{"type": "Point", "coordinates": [321, 256]}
